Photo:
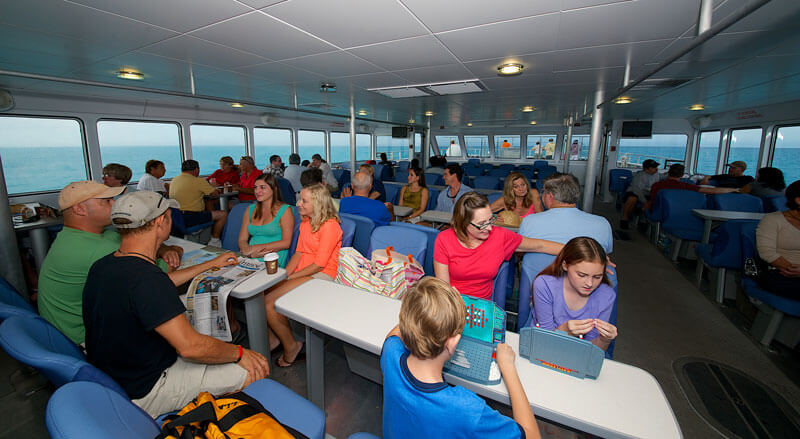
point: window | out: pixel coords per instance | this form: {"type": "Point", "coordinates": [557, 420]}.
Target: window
{"type": "Point", "coordinates": [663, 148]}
{"type": "Point", "coordinates": [340, 147]}
{"type": "Point", "coordinates": [395, 149]}
{"type": "Point", "coordinates": [449, 146]}
{"type": "Point", "coordinates": [477, 146]}
{"type": "Point", "coordinates": [707, 153]}
{"type": "Point", "coordinates": [536, 145]}
{"type": "Point", "coordinates": [579, 150]}
{"type": "Point", "coordinates": [744, 146]}
{"type": "Point", "coordinates": [134, 143]}
{"type": "Point", "coordinates": [786, 156]}
{"type": "Point", "coordinates": [41, 154]}
{"type": "Point", "coordinates": [212, 142]}
{"type": "Point", "coordinates": [310, 143]}
{"type": "Point", "coordinates": [506, 147]}
{"type": "Point", "coordinates": [271, 141]}
{"type": "Point", "coordinates": [363, 146]}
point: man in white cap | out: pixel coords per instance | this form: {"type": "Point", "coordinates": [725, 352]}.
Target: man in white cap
{"type": "Point", "coordinates": [136, 330]}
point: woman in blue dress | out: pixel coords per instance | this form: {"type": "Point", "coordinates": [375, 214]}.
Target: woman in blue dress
{"type": "Point", "coordinates": [268, 225]}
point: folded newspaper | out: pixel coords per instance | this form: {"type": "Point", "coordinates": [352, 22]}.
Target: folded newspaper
{"type": "Point", "coordinates": [207, 298]}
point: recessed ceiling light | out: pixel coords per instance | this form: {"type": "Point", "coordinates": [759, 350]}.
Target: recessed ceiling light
{"type": "Point", "coordinates": [237, 105]}
{"type": "Point", "coordinates": [697, 107]}
{"type": "Point", "coordinates": [469, 124]}
{"type": "Point", "coordinates": [127, 73]}
{"type": "Point", "coordinates": [327, 87]}
{"type": "Point", "coordinates": [362, 112]}
{"type": "Point", "coordinates": [623, 100]}
{"type": "Point", "coordinates": [411, 120]}
{"type": "Point", "coordinates": [533, 122]}
{"type": "Point", "coordinates": [429, 113]}
{"type": "Point", "coordinates": [510, 69]}
{"type": "Point", "coordinates": [527, 109]}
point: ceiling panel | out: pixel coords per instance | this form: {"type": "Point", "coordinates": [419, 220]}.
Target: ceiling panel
{"type": "Point", "coordinates": [260, 3]}
{"type": "Point", "coordinates": [279, 72]}
{"type": "Point", "coordinates": [334, 64]}
{"type": "Point", "coordinates": [770, 15]}
{"type": "Point", "coordinates": [195, 50]}
{"type": "Point", "coordinates": [633, 54]}
{"type": "Point", "coordinates": [353, 23]}
{"type": "Point", "coordinates": [37, 52]}
{"type": "Point", "coordinates": [532, 35]}
{"type": "Point", "coordinates": [370, 80]}
{"type": "Point", "coordinates": [178, 15]}
{"type": "Point", "coordinates": [406, 54]}
{"type": "Point", "coordinates": [266, 37]}
{"type": "Point", "coordinates": [424, 75]}
{"type": "Point", "coordinates": [444, 16]}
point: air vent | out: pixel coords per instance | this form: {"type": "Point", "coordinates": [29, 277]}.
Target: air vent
{"type": "Point", "coordinates": [321, 105]}
{"type": "Point", "coordinates": [660, 83]}
{"type": "Point", "coordinates": [434, 89]}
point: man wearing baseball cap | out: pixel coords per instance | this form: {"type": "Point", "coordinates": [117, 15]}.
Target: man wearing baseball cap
{"type": "Point", "coordinates": [136, 330]}
{"type": "Point", "coordinates": [639, 189]}
{"type": "Point", "coordinates": [735, 177]}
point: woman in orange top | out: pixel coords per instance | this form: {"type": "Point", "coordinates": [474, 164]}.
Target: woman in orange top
{"type": "Point", "coordinates": [316, 256]}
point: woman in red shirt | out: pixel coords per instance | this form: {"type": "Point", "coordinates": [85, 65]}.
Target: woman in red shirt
{"type": "Point", "coordinates": [468, 255]}
{"type": "Point", "coordinates": [316, 256]}
{"type": "Point", "coordinates": [227, 173]}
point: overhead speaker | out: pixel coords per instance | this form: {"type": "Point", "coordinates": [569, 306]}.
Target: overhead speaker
{"type": "Point", "coordinates": [701, 122]}
{"type": "Point", "coordinates": [364, 128]}
{"type": "Point", "coordinates": [270, 119]}
{"type": "Point", "coordinates": [6, 101]}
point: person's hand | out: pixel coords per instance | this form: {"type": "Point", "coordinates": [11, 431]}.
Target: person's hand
{"type": "Point", "coordinates": [224, 260]}
{"type": "Point", "coordinates": [611, 264]}
{"type": "Point", "coordinates": [500, 220]}
{"type": "Point", "coordinates": [213, 182]}
{"type": "Point", "coordinates": [172, 258]}
{"type": "Point", "coordinates": [255, 364]}
{"type": "Point", "coordinates": [347, 192]}
{"type": "Point", "coordinates": [505, 356]}
{"type": "Point", "coordinates": [791, 271]}
{"type": "Point", "coordinates": [605, 329]}
{"type": "Point", "coordinates": [260, 250]}
{"type": "Point", "coordinates": [579, 327]}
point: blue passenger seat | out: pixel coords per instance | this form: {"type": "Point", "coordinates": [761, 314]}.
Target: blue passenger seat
{"type": "Point", "coordinates": [724, 253]}
{"type": "Point", "coordinates": [12, 303]}
{"type": "Point", "coordinates": [735, 202]}
{"type": "Point", "coordinates": [775, 203]}
{"type": "Point", "coordinates": [348, 230]}
{"type": "Point", "coordinates": [404, 240]}
{"type": "Point", "coordinates": [286, 190]}
{"type": "Point", "coordinates": [431, 235]}
{"type": "Point", "coordinates": [230, 234]}
{"type": "Point", "coordinates": [364, 227]}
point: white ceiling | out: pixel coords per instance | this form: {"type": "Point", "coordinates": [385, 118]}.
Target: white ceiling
{"type": "Point", "coordinates": [277, 53]}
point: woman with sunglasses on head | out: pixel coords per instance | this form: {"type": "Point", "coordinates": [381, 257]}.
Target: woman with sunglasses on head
{"type": "Point", "coordinates": [468, 255]}
{"type": "Point", "coordinates": [268, 224]}
{"type": "Point", "coordinates": [519, 199]}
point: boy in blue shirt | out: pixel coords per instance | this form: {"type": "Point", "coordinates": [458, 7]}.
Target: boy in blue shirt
{"type": "Point", "coordinates": [416, 400]}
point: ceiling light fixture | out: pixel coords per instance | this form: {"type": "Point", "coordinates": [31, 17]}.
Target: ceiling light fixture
{"type": "Point", "coordinates": [327, 87]}
{"type": "Point", "coordinates": [469, 124]}
{"type": "Point", "coordinates": [533, 122]}
{"type": "Point", "coordinates": [237, 105]}
{"type": "Point", "coordinates": [429, 113]}
{"type": "Point", "coordinates": [623, 100]}
{"type": "Point", "coordinates": [527, 109]}
{"type": "Point", "coordinates": [697, 107]}
{"type": "Point", "coordinates": [127, 73]}
{"type": "Point", "coordinates": [510, 69]}
{"type": "Point", "coordinates": [362, 112]}
{"type": "Point", "coordinates": [411, 120]}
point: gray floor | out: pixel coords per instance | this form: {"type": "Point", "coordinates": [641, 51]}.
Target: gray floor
{"type": "Point", "coordinates": [662, 317]}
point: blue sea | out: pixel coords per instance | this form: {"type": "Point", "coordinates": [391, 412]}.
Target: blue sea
{"type": "Point", "coordinates": [39, 169]}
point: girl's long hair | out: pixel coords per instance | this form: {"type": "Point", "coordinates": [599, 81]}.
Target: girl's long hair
{"type": "Point", "coordinates": [269, 179]}
{"type": "Point", "coordinates": [577, 250]}
{"type": "Point", "coordinates": [508, 191]}
{"type": "Point", "coordinates": [323, 206]}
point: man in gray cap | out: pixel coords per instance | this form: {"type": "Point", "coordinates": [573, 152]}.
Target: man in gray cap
{"type": "Point", "coordinates": [136, 331]}
{"type": "Point", "coordinates": [735, 177]}
{"type": "Point", "coordinates": [639, 189]}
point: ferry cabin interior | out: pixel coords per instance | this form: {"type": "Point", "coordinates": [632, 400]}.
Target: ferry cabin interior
{"type": "Point", "coordinates": [298, 76]}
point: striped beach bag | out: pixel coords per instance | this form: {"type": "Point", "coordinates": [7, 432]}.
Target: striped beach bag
{"type": "Point", "coordinates": [387, 278]}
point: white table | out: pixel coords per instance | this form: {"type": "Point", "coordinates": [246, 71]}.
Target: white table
{"type": "Point", "coordinates": [223, 198]}
{"type": "Point", "coordinates": [624, 401]}
{"type": "Point", "coordinates": [710, 216]}
{"type": "Point", "coordinates": [40, 237]}
{"type": "Point", "coordinates": [402, 211]}
{"type": "Point", "coordinates": [439, 217]}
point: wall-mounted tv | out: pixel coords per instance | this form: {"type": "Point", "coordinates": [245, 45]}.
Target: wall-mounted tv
{"type": "Point", "coordinates": [399, 132]}
{"type": "Point", "coordinates": [637, 129]}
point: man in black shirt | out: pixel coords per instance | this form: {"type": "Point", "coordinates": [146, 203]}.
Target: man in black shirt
{"type": "Point", "coordinates": [735, 177]}
{"type": "Point", "coordinates": [136, 331]}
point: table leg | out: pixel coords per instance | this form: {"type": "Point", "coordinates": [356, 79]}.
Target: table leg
{"type": "Point", "coordinates": [223, 203]}
{"type": "Point", "coordinates": [257, 332]}
{"type": "Point", "coordinates": [40, 243]}
{"type": "Point", "coordinates": [315, 363]}
{"type": "Point", "coordinates": [706, 239]}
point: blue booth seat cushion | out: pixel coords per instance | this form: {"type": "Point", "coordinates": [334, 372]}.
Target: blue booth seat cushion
{"type": "Point", "coordinates": [404, 240]}
{"type": "Point", "coordinates": [288, 407]}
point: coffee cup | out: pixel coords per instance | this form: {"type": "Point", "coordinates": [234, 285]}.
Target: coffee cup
{"type": "Point", "coordinates": [271, 262]}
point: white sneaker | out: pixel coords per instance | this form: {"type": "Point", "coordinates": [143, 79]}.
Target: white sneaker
{"type": "Point", "coordinates": [215, 242]}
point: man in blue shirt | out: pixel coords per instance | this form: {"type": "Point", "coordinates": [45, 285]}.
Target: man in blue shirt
{"type": "Point", "coordinates": [448, 197]}
{"type": "Point", "coordinates": [360, 204]}
{"type": "Point", "coordinates": [562, 220]}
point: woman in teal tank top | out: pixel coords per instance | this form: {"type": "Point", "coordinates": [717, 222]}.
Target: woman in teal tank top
{"type": "Point", "coordinates": [269, 223]}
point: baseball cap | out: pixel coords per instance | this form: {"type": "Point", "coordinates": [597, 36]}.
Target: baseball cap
{"type": "Point", "coordinates": [136, 209]}
{"type": "Point", "coordinates": [738, 164]}
{"type": "Point", "coordinates": [79, 191]}
{"type": "Point", "coordinates": [650, 163]}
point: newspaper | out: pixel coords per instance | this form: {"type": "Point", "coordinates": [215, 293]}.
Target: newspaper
{"type": "Point", "coordinates": [207, 298]}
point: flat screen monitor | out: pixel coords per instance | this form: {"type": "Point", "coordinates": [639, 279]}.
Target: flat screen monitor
{"type": "Point", "coordinates": [399, 132]}
{"type": "Point", "coordinates": [637, 129]}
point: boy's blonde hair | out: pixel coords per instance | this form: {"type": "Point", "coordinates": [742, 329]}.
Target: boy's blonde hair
{"type": "Point", "coordinates": [432, 312]}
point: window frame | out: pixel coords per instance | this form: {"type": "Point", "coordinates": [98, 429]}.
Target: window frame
{"type": "Point", "coordinates": [496, 147]}
{"type": "Point", "coordinates": [325, 142]}
{"type": "Point", "coordinates": [291, 141]}
{"type": "Point", "coordinates": [181, 142]}
{"type": "Point", "coordinates": [774, 143]}
{"type": "Point", "coordinates": [488, 146]}
{"type": "Point", "coordinates": [372, 153]}
{"type": "Point", "coordinates": [729, 141]}
{"type": "Point", "coordinates": [696, 154]}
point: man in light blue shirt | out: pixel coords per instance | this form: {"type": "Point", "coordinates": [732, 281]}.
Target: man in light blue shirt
{"type": "Point", "coordinates": [448, 197]}
{"type": "Point", "coordinates": [293, 172]}
{"type": "Point", "coordinates": [562, 220]}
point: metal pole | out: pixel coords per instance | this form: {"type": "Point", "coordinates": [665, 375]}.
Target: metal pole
{"type": "Point", "coordinates": [706, 13]}
{"type": "Point", "coordinates": [594, 151]}
{"type": "Point", "coordinates": [11, 268]}
{"type": "Point", "coordinates": [426, 150]}
{"type": "Point", "coordinates": [352, 137]}
{"type": "Point", "coordinates": [568, 150]}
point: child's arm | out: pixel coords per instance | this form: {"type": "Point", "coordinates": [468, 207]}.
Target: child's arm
{"type": "Point", "coordinates": [395, 332]}
{"type": "Point", "coordinates": [520, 407]}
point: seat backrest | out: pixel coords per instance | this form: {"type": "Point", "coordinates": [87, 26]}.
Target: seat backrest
{"type": "Point", "coordinates": [348, 230]}
{"type": "Point", "coordinates": [619, 180]}
{"type": "Point", "coordinates": [747, 235]}
{"type": "Point", "coordinates": [433, 179]}
{"type": "Point", "coordinates": [775, 203]}
{"type": "Point", "coordinates": [546, 171]}
{"type": "Point", "coordinates": [430, 234]}
{"type": "Point", "coordinates": [527, 172]}
{"type": "Point", "coordinates": [472, 171]}
{"type": "Point", "coordinates": [404, 240]}
{"type": "Point", "coordinates": [403, 165]}
{"type": "Point", "coordinates": [89, 410]}
{"type": "Point", "coordinates": [295, 232]}
{"type": "Point", "coordinates": [230, 234]}
{"type": "Point", "coordinates": [532, 265]}
{"type": "Point", "coordinates": [383, 172]}
{"type": "Point", "coordinates": [538, 164]}
{"type": "Point", "coordinates": [178, 225]}
{"type": "Point", "coordinates": [736, 202]}
{"type": "Point", "coordinates": [498, 172]}
{"type": "Point", "coordinates": [361, 237]}
{"type": "Point", "coordinates": [392, 193]}
{"type": "Point", "coordinates": [677, 208]}
{"type": "Point", "coordinates": [287, 191]}
{"type": "Point", "coordinates": [433, 198]}
{"type": "Point", "coordinates": [688, 180]}
{"type": "Point", "coordinates": [486, 167]}
{"type": "Point", "coordinates": [486, 182]}
{"type": "Point", "coordinates": [474, 162]}
{"type": "Point", "coordinates": [500, 285]}
{"type": "Point", "coordinates": [494, 196]}
{"type": "Point", "coordinates": [727, 246]}
{"type": "Point", "coordinates": [539, 184]}
{"type": "Point", "coordinates": [12, 303]}
{"type": "Point", "coordinates": [506, 167]}
{"type": "Point", "coordinates": [343, 178]}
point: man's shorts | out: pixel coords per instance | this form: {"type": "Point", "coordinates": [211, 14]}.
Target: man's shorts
{"type": "Point", "coordinates": [181, 382]}
{"type": "Point", "coordinates": [194, 218]}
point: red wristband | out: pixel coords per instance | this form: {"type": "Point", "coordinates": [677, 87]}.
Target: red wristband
{"type": "Point", "coordinates": [241, 351]}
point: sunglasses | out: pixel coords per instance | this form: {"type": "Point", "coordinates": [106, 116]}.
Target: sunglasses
{"type": "Point", "coordinates": [483, 226]}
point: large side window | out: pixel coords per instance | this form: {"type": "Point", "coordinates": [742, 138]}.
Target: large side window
{"type": "Point", "coordinates": [707, 153]}
{"type": "Point", "coordinates": [786, 156]}
{"type": "Point", "coordinates": [41, 154]}
{"type": "Point", "coordinates": [506, 146]}
{"type": "Point", "coordinates": [395, 148]}
{"type": "Point", "coordinates": [269, 142]}
{"type": "Point", "coordinates": [310, 143]}
{"type": "Point", "coordinates": [340, 147]}
{"type": "Point", "coordinates": [363, 146]}
{"type": "Point", "coordinates": [134, 143]}
{"type": "Point", "coordinates": [212, 142]}
{"type": "Point", "coordinates": [477, 146]}
{"type": "Point", "coordinates": [578, 148]}
{"type": "Point", "coordinates": [449, 146]}
{"type": "Point", "coordinates": [663, 148]}
{"type": "Point", "coordinates": [536, 148]}
{"type": "Point", "coordinates": [744, 145]}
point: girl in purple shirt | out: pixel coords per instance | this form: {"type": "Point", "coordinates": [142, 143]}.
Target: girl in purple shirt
{"type": "Point", "coordinates": [574, 295]}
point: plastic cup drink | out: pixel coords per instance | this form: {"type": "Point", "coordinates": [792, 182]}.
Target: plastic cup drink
{"type": "Point", "coordinates": [271, 262]}
{"type": "Point", "coordinates": [227, 187]}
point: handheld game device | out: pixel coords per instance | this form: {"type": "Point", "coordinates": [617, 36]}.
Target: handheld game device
{"type": "Point", "coordinates": [474, 358]}
{"type": "Point", "coordinates": [559, 351]}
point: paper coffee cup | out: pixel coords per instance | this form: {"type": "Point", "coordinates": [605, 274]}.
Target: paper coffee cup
{"type": "Point", "coordinates": [271, 262]}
